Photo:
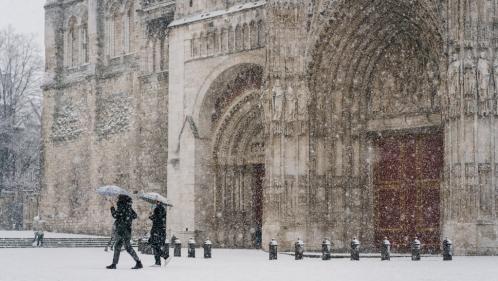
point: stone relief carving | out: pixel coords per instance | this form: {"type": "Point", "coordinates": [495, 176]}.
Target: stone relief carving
{"type": "Point", "coordinates": [278, 101]}
{"type": "Point", "coordinates": [454, 86]}
{"type": "Point", "coordinates": [470, 193]}
{"type": "Point", "coordinates": [483, 79]}
{"type": "Point", "coordinates": [403, 84]}
{"type": "Point", "coordinates": [291, 104]}
{"type": "Point", "coordinates": [303, 101]}
{"type": "Point", "coordinates": [485, 190]}
{"type": "Point", "coordinates": [469, 83]}
{"type": "Point", "coordinates": [278, 97]}
{"type": "Point", "coordinates": [113, 114]}
{"type": "Point", "coordinates": [67, 120]}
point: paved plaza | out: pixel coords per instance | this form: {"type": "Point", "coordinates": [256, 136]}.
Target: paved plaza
{"type": "Point", "coordinates": [233, 265]}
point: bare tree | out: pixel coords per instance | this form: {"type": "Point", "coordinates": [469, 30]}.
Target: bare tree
{"type": "Point", "coordinates": [21, 67]}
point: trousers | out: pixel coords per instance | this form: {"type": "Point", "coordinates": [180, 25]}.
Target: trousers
{"type": "Point", "coordinates": [123, 239]}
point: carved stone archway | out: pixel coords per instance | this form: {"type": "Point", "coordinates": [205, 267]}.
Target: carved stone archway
{"type": "Point", "coordinates": [375, 71]}
{"type": "Point", "coordinates": [231, 156]}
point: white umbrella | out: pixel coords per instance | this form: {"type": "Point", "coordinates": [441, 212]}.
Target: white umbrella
{"type": "Point", "coordinates": [112, 191]}
{"type": "Point", "coordinates": [152, 197]}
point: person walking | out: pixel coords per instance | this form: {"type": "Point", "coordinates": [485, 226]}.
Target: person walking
{"type": "Point", "coordinates": [124, 216]}
{"type": "Point", "coordinates": [158, 233]}
{"type": "Point", "coordinates": [41, 234]}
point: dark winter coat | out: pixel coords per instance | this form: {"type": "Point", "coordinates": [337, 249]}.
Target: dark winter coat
{"type": "Point", "coordinates": [158, 231]}
{"type": "Point", "coordinates": [124, 216]}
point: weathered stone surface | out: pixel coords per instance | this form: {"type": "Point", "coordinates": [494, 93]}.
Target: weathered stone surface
{"type": "Point", "coordinates": [264, 117]}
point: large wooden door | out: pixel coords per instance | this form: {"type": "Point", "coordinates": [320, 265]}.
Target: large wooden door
{"type": "Point", "coordinates": [407, 178]}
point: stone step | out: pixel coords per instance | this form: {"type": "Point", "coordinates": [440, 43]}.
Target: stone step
{"type": "Point", "coordinates": [57, 242]}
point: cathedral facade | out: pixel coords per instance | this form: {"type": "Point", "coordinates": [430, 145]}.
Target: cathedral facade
{"type": "Point", "coordinates": [277, 119]}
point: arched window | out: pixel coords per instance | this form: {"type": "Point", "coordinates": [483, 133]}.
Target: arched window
{"type": "Point", "coordinates": [216, 39]}
{"type": "Point", "coordinates": [157, 54]}
{"type": "Point", "coordinates": [164, 53]}
{"type": "Point", "coordinates": [195, 46]}
{"type": "Point", "coordinates": [261, 34]}
{"type": "Point", "coordinates": [129, 26]}
{"type": "Point", "coordinates": [245, 37]}
{"type": "Point", "coordinates": [84, 43]}
{"type": "Point", "coordinates": [202, 44]}
{"type": "Point", "coordinates": [210, 43]}
{"type": "Point", "coordinates": [253, 35]}
{"type": "Point", "coordinates": [149, 55]}
{"type": "Point", "coordinates": [117, 31]}
{"type": "Point", "coordinates": [238, 38]}
{"type": "Point", "coordinates": [231, 39]}
{"type": "Point", "coordinates": [72, 43]}
{"type": "Point", "coordinates": [223, 40]}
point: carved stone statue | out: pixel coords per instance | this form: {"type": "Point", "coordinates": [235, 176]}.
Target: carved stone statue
{"type": "Point", "coordinates": [303, 101]}
{"type": "Point", "coordinates": [469, 83]}
{"type": "Point", "coordinates": [278, 100]}
{"type": "Point", "coordinates": [291, 111]}
{"type": "Point", "coordinates": [454, 85]}
{"type": "Point", "coordinates": [391, 91]}
{"type": "Point", "coordinates": [483, 79]}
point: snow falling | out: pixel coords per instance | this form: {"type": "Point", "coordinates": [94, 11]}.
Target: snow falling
{"type": "Point", "coordinates": [250, 140]}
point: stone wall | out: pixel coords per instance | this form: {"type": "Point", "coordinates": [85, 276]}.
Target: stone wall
{"type": "Point", "coordinates": [104, 119]}
{"type": "Point", "coordinates": [337, 75]}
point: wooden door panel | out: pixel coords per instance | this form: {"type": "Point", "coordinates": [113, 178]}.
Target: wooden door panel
{"type": "Point", "coordinates": [428, 207]}
{"type": "Point", "coordinates": [390, 211]}
{"type": "Point", "coordinates": [406, 189]}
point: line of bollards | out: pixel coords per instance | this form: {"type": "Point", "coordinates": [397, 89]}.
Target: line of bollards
{"type": "Point", "coordinates": [385, 249]}
{"type": "Point", "coordinates": [177, 251]}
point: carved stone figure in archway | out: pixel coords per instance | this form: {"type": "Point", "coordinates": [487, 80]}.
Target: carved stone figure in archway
{"type": "Point", "coordinates": [303, 101]}
{"type": "Point", "coordinates": [469, 83]}
{"type": "Point", "coordinates": [290, 110]}
{"type": "Point", "coordinates": [291, 104]}
{"type": "Point", "coordinates": [454, 85]}
{"type": "Point", "coordinates": [483, 78]}
{"type": "Point", "coordinates": [278, 101]}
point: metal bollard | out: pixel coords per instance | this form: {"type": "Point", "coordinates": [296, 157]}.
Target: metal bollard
{"type": "Point", "coordinates": [385, 250]}
{"type": "Point", "coordinates": [191, 248]}
{"type": "Point", "coordinates": [299, 249]}
{"type": "Point", "coordinates": [178, 248]}
{"type": "Point", "coordinates": [355, 249]}
{"type": "Point", "coordinates": [207, 248]}
{"type": "Point", "coordinates": [447, 249]}
{"type": "Point", "coordinates": [273, 247]}
{"type": "Point", "coordinates": [326, 248]}
{"type": "Point", "coordinates": [416, 246]}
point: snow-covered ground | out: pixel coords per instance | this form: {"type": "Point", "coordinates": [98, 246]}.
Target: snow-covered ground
{"type": "Point", "coordinates": [30, 234]}
{"type": "Point", "coordinates": [233, 265]}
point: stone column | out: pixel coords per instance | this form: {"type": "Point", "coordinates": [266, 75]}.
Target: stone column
{"type": "Point", "coordinates": [286, 99]}
{"type": "Point", "coordinates": [470, 125]}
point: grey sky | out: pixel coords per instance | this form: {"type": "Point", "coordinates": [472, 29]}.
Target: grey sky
{"type": "Point", "coordinates": [26, 16]}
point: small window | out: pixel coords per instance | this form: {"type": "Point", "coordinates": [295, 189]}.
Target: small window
{"type": "Point", "coordinates": [191, 3]}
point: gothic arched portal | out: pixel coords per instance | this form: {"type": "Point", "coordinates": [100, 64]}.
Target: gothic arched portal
{"type": "Point", "coordinates": [231, 120]}
{"type": "Point", "coordinates": [375, 76]}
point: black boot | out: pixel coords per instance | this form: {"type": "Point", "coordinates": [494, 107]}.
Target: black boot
{"type": "Point", "coordinates": [138, 265]}
{"type": "Point", "coordinates": [112, 266]}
